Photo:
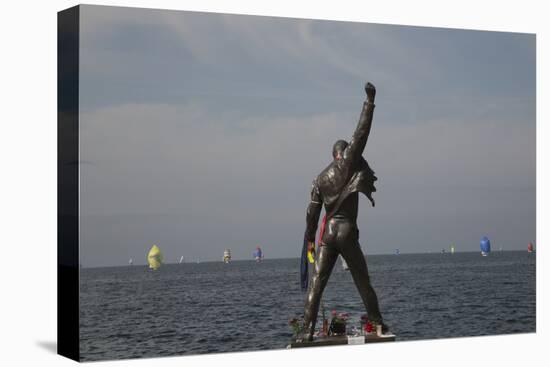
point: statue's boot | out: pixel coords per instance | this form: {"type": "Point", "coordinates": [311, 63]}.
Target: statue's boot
{"type": "Point", "coordinates": [385, 327]}
{"type": "Point", "coordinates": [306, 334]}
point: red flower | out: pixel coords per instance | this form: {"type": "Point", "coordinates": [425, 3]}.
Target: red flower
{"type": "Point", "coordinates": [368, 327]}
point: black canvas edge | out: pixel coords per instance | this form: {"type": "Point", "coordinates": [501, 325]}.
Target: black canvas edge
{"type": "Point", "coordinates": [68, 340]}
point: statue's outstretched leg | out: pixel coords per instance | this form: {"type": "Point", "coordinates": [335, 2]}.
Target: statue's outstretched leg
{"type": "Point", "coordinates": [355, 259]}
{"type": "Point", "coordinates": [323, 267]}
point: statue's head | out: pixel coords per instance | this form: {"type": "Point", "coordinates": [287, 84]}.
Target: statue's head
{"type": "Point", "coordinates": [338, 149]}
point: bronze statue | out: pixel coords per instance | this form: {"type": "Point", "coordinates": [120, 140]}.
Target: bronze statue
{"type": "Point", "coordinates": [338, 187]}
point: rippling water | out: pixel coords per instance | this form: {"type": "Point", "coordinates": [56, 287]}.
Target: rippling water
{"type": "Point", "coordinates": [132, 312]}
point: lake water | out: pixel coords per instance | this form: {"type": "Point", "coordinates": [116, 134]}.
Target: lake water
{"type": "Point", "coordinates": [134, 312]}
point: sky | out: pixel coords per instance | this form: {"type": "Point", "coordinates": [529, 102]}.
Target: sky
{"type": "Point", "coordinates": [203, 131]}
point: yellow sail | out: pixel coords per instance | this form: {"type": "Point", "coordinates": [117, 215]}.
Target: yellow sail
{"type": "Point", "coordinates": [154, 258]}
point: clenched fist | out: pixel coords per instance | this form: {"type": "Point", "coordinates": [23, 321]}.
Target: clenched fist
{"type": "Point", "coordinates": [371, 92]}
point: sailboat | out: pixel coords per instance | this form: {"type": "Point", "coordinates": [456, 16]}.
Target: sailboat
{"type": "Point", "coordinates": [131, 261]}
{"type": "Point", "coordinates": [181, 259]}
{"type": "Point", "coordinates": [344, 264]}
{"type": "Point", "coordinates": [154, 258]}
{"type": "Point", "coordinates": [227, 256]}
{"type": "Point", "coordinates": [530, 247]}
{"type": "Point", "coordinates": [258, 254]}
{"type": "Point", "coordinates": [397, 251]}
{"type": "Point", "coordinates": [485, 246]}
{"type": "Point", "coordinates": [452, 248]}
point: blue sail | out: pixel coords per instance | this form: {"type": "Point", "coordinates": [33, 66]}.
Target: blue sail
{"type": "Point", "coordinates": [485, 245]}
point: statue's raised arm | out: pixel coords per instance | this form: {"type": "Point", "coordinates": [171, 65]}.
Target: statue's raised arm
{"type": "Point", "coordinates": [358, 141]}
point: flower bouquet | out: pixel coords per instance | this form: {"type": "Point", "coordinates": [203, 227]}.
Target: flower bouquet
{"type": "Point", "coordinates": [338, 323]}
{"type": "Point", "coordinates": [297, 326]}
{"type": "Point", "coordinates": [366, 325]}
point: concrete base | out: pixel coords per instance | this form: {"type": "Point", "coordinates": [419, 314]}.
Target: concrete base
{"type": "Point", "coordinates": [343, 340]}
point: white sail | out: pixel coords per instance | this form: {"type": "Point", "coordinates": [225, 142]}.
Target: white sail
{"type": "Point", "coordinates": [227, 255]}
{"type": "Point", "coordinates": [344, 264]}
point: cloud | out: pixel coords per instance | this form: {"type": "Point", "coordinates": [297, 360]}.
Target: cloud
{"type": "Point", "coordinates": [210, 171]}
{"type": "Point", "coordinates": [164, 55]}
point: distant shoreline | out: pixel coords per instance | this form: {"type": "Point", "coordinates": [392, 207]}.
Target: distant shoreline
{"type": "Point", "coordinates": [297, 258]}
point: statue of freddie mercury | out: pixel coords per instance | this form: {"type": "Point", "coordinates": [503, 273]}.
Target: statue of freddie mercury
{"type": "Point", "coordinates": [337, 187]}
